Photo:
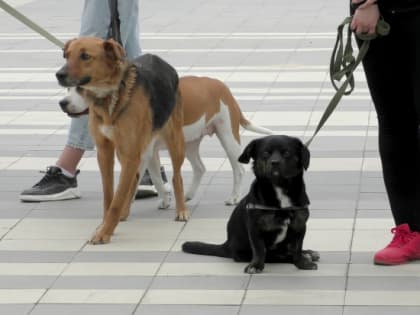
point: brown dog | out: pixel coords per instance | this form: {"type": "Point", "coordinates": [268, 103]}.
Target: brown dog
{"type": "Point", "coordinates": [132, 105]}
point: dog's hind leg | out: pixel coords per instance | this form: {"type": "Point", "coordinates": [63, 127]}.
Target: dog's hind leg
{"type": "Point", "coordinates": [154, 171]}
{"type": "Point", "coordinates": [233, 150]}
{"type": "Point", "coordinates": [193, 155]}
{"type": "Point", "coordinates": [176, 147]}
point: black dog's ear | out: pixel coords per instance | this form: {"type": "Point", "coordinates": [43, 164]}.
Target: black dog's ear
{"type": "Point", "coordinates": [305, 156]}
{"type": "Point", "coordinates": [248, 153]}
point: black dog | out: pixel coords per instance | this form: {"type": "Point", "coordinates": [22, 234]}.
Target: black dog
{"type": "Point", "coordinates": [269, 223]}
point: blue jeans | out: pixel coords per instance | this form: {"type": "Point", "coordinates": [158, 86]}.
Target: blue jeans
{"type": "Point", "coordinates": [95, 22]}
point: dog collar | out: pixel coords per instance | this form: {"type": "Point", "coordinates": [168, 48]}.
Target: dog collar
{"type": "Point", "coordinates": [85, 112]}
{"type": "Point", "coordinates": [256, 206]}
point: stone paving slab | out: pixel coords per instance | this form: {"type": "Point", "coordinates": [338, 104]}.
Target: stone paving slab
{"type": "Point", "coordinates": [274, 55]}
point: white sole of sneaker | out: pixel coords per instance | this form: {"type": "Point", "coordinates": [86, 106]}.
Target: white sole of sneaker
{"type": "Point", "coordinates": [71, 193]}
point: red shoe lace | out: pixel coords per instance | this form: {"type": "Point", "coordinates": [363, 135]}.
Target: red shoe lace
{"type": "Point", "coordinates": [401, 237]}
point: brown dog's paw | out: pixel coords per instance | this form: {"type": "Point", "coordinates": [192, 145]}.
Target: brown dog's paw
{"type": "Point", "coordinates": [182, 216]}
{"type": "Point", "coordinates": [124, 214]}
{"type": "Point", "coordinates": [100, 238]}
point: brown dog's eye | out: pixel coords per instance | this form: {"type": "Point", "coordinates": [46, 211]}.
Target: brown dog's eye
{"type": "Point", "coordinates": [265, 155]}
{"type": "Point", "coordinates": [84, 56]}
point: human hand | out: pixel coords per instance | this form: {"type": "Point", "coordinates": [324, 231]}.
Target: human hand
{"type": "Point", "coordinates": [365, 18]}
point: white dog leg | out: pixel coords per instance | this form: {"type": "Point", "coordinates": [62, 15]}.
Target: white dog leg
{"type": "Point", "coordinates": [154, 171]}
{"type": "Point", "coordinates": [233, 150]}
{"type": "Point", "coordinates": [193, 155]}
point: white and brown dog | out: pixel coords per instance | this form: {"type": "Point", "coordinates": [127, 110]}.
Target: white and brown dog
{"type": "Point", "coordinates": [208, 108]}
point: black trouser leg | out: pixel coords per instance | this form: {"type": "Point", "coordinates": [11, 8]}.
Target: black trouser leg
{"type": "Point", "coordinates": [393, 74]}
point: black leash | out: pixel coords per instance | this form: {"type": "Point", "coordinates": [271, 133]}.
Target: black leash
{"type": "Point", "coordinates": [343, 64]}
{"type": "Point", "coordinates": [114, 26]}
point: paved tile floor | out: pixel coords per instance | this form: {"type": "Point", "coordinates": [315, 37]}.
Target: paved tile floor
{"type": "Point", "coordinates": [274, 55]}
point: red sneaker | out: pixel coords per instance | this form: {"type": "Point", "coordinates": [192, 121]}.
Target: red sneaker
{"type": "Point", "coordinates": [405, 246]}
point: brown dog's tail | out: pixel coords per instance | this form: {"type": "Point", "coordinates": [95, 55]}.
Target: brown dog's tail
{"type": "Point", "coordinates": [200, 248]}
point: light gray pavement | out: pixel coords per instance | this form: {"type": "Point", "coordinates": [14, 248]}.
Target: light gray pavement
{"type": "Point", "coordinates": [274, 55]}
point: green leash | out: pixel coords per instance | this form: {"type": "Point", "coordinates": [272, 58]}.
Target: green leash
{"type": "Point", "coordinates": [343, 64]}
{"type": "Point", "coordinates": [30, 24]}
{"type": "Point", "coordinates": [114, 28]}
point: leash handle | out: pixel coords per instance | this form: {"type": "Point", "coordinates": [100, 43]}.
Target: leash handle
{"type": "Point", "coordinates": [342, 59]}
{"type": "Point", "coordinates": [343, 63]}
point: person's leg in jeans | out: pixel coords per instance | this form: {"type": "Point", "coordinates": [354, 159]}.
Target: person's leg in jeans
{"type": "Point", "coordinates": [393, 79]}
{"type": "Point", "coordinates": [95, 22]}
{"type": "Point", "coordinates": [130, 39]}
{"type": "Point", "coordinates": [60, 182]}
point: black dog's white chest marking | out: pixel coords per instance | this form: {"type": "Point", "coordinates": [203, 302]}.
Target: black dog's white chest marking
{"type": "Point", "coordinates": [282, 235]}
{"type": "Point", "coordinates": [269, 222]}
{"type": "Point", "coordinates": [285, 203]}
{"type": "Point", "coordinates": [283, 199]}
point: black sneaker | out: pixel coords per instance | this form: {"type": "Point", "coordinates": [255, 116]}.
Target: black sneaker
{"type": "Point", "coordinates": [53, 186]}
{"type": "Point", "coordinates": [146, 189]}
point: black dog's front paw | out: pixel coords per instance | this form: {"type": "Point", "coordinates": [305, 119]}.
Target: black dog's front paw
{"type": "Point", "coordinates": [253, 268]}
{"type": "Point", "coordinates": [306, 263]}
{"type": "Point", "coordinates": [313, 255]}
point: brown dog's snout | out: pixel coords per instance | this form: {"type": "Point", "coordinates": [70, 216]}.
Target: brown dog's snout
{"type": "Point", "coordinates": [61, 74]}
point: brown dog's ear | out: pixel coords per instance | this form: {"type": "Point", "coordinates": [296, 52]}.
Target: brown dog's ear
{"type": "Point", "coordinates": [66, 47]}
{"type": "Point", "coordinates": [113, 50]}
{"type": "Point", "coordinates": [305, 156]}
{"type": "Point", "coordinates": [248, 153]}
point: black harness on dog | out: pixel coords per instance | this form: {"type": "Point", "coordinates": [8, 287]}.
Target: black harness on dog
{"type": "Point", "coordinates": [256, 206]}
